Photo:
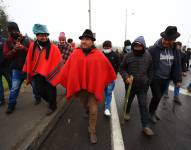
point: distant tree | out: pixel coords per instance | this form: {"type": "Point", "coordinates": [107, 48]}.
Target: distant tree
{"type": "Point", "coordinates": [3, 20]}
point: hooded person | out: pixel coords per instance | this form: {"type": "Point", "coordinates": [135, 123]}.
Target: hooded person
{"type": "Point", "coordinates": [85, 74]}
{"type": "Point", "coordinates": [138, 64]}
{"type": "Point", "coordinates": [43, 63]}
{"type": "Point", "coordinates": [166, 67]}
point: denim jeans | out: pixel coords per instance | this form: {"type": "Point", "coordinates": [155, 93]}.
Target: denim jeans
{"type": "Point", "coordinates": [7, 74]}
{"type": "Point", "coordinates": [17, 80]}
{"type": "Point", "coordinates": [176, 89]}
{"type": "Point", "coordinates": [108, 94]}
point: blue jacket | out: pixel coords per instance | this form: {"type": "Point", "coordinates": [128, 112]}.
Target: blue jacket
{"type": "Point", "coordinates": [175, 73]}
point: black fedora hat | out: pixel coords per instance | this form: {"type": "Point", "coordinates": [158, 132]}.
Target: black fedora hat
{"type": "Point", "coordinates": [88, 33]}
{"type": "Point", "coordinates": [170, 33]}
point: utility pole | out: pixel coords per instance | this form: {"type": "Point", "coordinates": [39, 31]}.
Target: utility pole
{"type": "Point", "coordinates": [126, 24]}
{"type": "Point", "coordinates": [90, 23]}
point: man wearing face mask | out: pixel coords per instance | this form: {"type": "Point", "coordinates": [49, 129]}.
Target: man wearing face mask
{"type": "Point", "coordinates": [126, 49]}
{"type": "Point", "coordinates": [167, 66]}
{"type": "Point", "coordinates": [114, 60]}
{"type": "Point", "coordinates": [15, 50]}
{"type": "Point", "coordinates": [138, 64]}
{"type": "Point", "coordinates": [43, 63]}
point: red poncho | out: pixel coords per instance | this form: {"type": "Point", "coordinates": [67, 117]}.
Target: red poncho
{"type": "Point", "coordinates": [49, 68]}
{"type": "Point", "coordinates": [92, 73]}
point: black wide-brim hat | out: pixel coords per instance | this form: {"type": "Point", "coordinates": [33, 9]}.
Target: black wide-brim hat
{"type": "Point", "coordinates": [88, 34]}
{"type": "Point", "coordinates": [170, 33]}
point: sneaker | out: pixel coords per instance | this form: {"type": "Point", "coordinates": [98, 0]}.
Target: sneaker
{"type": "Point", "coordinates": [107, 113]}
{"type": "Point", "coordinates": [177, 100]}
{"type": "Point", "coordinates": [147, 131]}
{"type": "Point", "coordinates": [127, 117]}
{"type": "Point", "coordinates": [10, 110]}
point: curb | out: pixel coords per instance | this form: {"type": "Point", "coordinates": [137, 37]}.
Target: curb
{"type": "Point", "coordinates": [33, 139]}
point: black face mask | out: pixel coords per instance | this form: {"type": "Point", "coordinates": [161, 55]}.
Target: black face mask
{"type": "Point", "coordinates": [43, 44]}
{"type": "Point", "coordinates": [138, 53]}
{"type": "Point", "coordinates": [15, 36]}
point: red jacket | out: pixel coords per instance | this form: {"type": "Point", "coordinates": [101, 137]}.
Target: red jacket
{"type": "Point", "coordinates": [92, 73]}
{"type": "Point", "coordinates": [49, 68]}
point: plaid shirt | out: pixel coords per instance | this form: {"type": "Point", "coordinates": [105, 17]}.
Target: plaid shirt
{"type": "Point", "coordinates": [65, 50]}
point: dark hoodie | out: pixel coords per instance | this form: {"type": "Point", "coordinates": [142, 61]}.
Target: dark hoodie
{"type": "Point", "coordinates": [140, 66]}
{"type": "Point", "coordinates": [166, 62]}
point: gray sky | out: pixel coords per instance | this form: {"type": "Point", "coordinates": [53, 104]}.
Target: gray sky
{"type": "Point", "coordinates": [108, 18]}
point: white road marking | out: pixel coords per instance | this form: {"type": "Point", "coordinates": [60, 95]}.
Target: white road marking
{"type": "Point", "coordinates": [116, 134]}
{"type": "Point", "coordinates": [182, 91]}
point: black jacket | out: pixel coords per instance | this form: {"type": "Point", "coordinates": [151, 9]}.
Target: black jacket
{"type": "Point", "coordinates": [175, 73]}
{"type": "Point", "coordinates": [140, 67]}
{"type": "Point", "coordinates": [114, 59]}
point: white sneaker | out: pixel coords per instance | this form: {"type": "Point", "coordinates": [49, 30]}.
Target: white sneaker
{"type": "Point", "coordinates": [107, 113]}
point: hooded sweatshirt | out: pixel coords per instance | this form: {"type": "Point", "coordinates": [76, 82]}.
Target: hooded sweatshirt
{"type": "Point", "coordinates": [166, 62]}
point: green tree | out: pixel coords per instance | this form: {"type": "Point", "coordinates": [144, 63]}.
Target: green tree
{"type": "Point", "coordinates": [3, 20]}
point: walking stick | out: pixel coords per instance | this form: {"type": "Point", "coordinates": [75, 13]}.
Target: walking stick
{"type": "Point", "coordinates": [126, 98]}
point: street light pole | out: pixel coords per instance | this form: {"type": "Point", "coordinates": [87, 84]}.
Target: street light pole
{"type": "Point", "coordinates": [125, 24]}
{"type": "Point", "coordinates": [90, 24]}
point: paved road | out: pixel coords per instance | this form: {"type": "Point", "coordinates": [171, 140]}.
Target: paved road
{"type": "Point", "coordinates": [70, 133]}
{"type": "Point", "coordinates": [172, 132]}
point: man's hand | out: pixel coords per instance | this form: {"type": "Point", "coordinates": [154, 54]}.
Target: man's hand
{"type": "Point", "coordinates": [18, 45]}
{"type": "Point", "coordinates": [129, 79]}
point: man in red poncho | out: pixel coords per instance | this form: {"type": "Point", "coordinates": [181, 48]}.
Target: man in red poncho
{"type": "Point", "coordinates": [43, 64]}
{"type": "Point", "coordinates": [86, 74]}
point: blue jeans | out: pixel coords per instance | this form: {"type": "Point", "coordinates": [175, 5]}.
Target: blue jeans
{"type": "Point", "coordinates": [108, 94]}
{"type": "Point", "coordinates": [7, 74]}
{"type": "Point", "coordinates": [176, 89]}
{"type": "Point", "coordinates": [17, 80]}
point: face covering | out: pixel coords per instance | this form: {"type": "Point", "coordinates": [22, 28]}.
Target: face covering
{"type": "Point", "coordinates": [138, 52]}
{"type": "Point", "coordinates": [128, 49]}
{"type": "Point", "coordinates": [107, 51]}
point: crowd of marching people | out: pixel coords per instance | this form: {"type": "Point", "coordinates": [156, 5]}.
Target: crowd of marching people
{"type": "Point", "coordinates": [89, 73]}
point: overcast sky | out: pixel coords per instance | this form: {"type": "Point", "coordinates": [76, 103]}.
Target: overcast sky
{"type": "Point", "coordinates": [108, 18]}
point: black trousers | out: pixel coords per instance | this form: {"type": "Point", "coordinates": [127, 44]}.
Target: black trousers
{"type": "Point", "coordinates": [158, 87]}
{"type": "Point", "coordinates": [141, 93]}
{"type": "Point", "coordinates": [46, 91]}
